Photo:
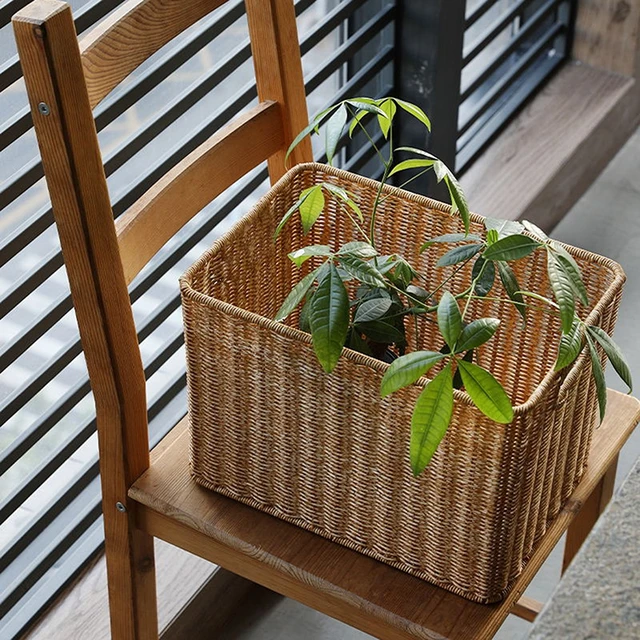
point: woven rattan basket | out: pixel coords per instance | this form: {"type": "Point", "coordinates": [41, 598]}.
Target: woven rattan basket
{"type": "Point", "coordinates": [270, 429]}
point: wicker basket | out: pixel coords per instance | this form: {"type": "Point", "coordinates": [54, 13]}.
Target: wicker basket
{"type": "Point", "coordinates": [270, 429]}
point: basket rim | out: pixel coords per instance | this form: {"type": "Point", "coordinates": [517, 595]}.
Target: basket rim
{"type": "Point", "coordinates": [549, 378]}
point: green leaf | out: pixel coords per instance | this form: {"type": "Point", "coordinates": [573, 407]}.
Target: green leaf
{"type": "Point", "coordinates": [307, 130]}
{"type": "Point", "coordinates": [562, 291]}
{"type": "Point", "coordinates": [598, 377]}
{"type": "Point", "coordinates": [411, 164]}
{"type": "Point", "coordinates": [303, 322]}
{"type": "Point", "coordinates": [569, 348]}
{"type": "Point", "coordinates": [389, 107]}
{"type": "Point", "coordinates": [404, 272]}
{"type": "Point", "coordinates": [311, 207]}
{"type": "Point", "coordinates": [419, 152]}
{"type": "Point", "coordinates": [415, 111]}
{"type": "Point", "coordinates": [372, 309]}
{"type": "Point", "coordinates": [336, 190]}
{"type": "Point", "coordinates": [364, 271]}
{"type": "Point", "coordinates": [457, 378]}
{"type": "Point", "coordinates": [344, 195]}
{"type": "Point", "coordinates": [329, 319]}
{"type": "Point", "coordinates": [503, 227]}
{"type": "Point", "coordinates": [492, 236]}
{"type": "Point", "coordinates": [381, 331]}
{"type": "Point", "coordinates": [295, 295]}
{"type": "Point", "coordinates": [322, 272]}
{"type": "Point", "coordinates": [511, 248]}
{"type": "Point", "coordinates": [357, 343]}
{"type": "Point", "coordinates": [486, 392]}
{"type": "Point", "coordinates": [557, 248]}
{"type": "Point", "coordinates": [430, 420]}
{"type": "Point", "coordinates": [570, 267]}
{"type": "Point", "coordinates": [457, 198]}
{"type": "Point", "coordinates": [511, 286]}
{"type": "Point", "coordinates": [357, 248]}
{"type": "Point", "coordinates": [407, 369]}
{"type": "Point", "coordinates": [537, 296]}
{"type": "Point", "coordinates": [355, 208]}
{"type": "Point", "coordinates": [420, 293]}
{"type": "Point", "coordinates": [459, 254]}
{"type": "Point", "coordinates": [449, 319]}
{"type": "Point", "coordinates": [356, 121]}
{"type": "Point", "coordinates": [333, 131]}
{"type": "Point", "coordinates": [365, 292]}
{"type": "Point", "coordinates": [298, 139]}
{"type": "Point", "coordinates": [386, 263]}
{"type": "Point", "coordinates": [440, 169]}
{"type": "Point", "coordinates": [614, 354]}
{"type": "Point", "coordinates": [476, 333]}
{"type": "Point", "coordinates": [290, 211]}
{"type": "Point", "coordinates": [484, 274]}
{"type": "Point", "coordinates": [535, 230]}
{"type": "Point", "coordinates": [365, 104]}
{"type": "Point", "coordinates": [300, 256]}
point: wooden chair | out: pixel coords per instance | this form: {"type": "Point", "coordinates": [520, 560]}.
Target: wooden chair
{"type": "Point", "coordinates": [143, 498]}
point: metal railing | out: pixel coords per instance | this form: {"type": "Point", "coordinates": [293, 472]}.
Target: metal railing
{"type": "Point", "coordinates": [510, 48]}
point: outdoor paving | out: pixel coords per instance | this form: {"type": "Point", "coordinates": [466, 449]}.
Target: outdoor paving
{"type": "Point", "coordinates": [600, 588]}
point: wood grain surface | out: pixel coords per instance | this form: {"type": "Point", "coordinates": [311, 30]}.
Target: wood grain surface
{"type": "Point", "coordinates": [132, 33]}
{"type": "Point", "coordinates": [195, 182]}
{"type": "Point", "coordinates": [553, 151]}
{"type": "Point", "coordinates": [607, 35]}
{"type": "Point", "coordinates": [278, 67]}
{"type": "Point", "coordinates": [589, 514]}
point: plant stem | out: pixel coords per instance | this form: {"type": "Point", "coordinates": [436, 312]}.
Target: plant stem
{"type": "Point", "coordinates": [356, 225]}
{"type": "Point", "coordinates": [376, 202]}
{"type": "Point", "coordinates": [406, 182]}
{"type": "Point", "coordinates": [449, 277]}
{"type": "Point", "coordinates": [472, 289]}
{"type": "Point", "coordinates": [370, 139]}
{"type": "Point", "coordinates": [530, 306]}
{"type": "Point", "coordinates": [387, 168]}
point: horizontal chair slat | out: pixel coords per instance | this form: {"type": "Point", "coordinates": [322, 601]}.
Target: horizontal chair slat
{"type": "Point", "coordinates": [130, 35]}
{"type": "Point", "coordinates": [196, 181]}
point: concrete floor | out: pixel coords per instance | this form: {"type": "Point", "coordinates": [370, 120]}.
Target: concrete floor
{"type": "Point", "coordinates": [607, 221]}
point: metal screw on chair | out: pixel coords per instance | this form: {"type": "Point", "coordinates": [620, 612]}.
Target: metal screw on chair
{"type": "Point", "coordinates": [120, 507]}
{"type": "Point", "coordinates": [44, 109]}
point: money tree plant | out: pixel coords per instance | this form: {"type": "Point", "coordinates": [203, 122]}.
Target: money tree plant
{"type": "Point", "coordinates": [390, 292]}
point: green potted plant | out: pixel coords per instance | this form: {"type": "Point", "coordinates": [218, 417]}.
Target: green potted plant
{"type": "Point", "coordinates": [399, 375]}
{"type": "Point", "coordinates": [389, 289]}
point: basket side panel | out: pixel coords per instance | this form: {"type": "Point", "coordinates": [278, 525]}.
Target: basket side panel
{"type": "Point", "coordinates": [324, 451]}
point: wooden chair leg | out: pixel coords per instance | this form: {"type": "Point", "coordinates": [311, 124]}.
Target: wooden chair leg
{"type": "Point", "coordinates": [592, 508]}
{"type": "Point", "coordinates": [131, 579]}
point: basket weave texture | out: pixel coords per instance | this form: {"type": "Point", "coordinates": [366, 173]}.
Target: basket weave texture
{"type": "Point", "coordinates": [271, 429]}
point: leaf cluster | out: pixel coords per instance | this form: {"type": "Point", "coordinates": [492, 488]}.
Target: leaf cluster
{"type": "Point", "coordinates": [389, 291]}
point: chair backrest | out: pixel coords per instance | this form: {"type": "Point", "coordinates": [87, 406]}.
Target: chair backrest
{"type": "Point", "coordinates": [65, 80]}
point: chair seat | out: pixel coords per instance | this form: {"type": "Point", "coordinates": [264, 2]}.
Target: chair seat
{"type": "Point", "coordinates": [342, 583]}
